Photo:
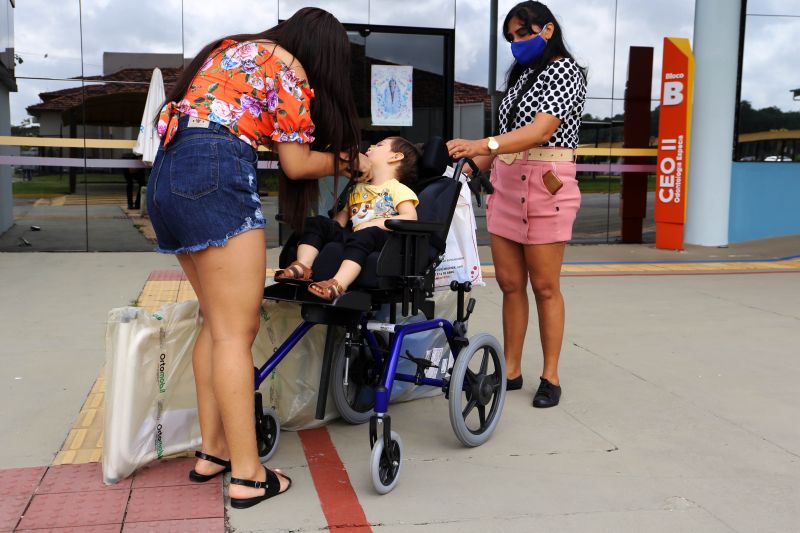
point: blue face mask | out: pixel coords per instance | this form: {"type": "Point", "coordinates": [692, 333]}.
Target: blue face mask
{"type": "Point", "coordinates": [527, 52]}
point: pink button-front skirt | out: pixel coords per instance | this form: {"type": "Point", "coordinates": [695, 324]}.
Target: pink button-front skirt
{"type": "Point", "coordinates": [521, 209]}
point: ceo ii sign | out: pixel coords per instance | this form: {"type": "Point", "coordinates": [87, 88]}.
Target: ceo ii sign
{"type": "Point", "coordinates": [674, 128]}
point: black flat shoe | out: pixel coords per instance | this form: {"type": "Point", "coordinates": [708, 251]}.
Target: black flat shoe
{"type": "Point", "coordinates": [548, 394]}
{"type": "Point", "coordinates": [272, 487]}
{"type": "Point", "coordinates": [514, 384]}
{"type": "Point", "coordinates": [202, 478]}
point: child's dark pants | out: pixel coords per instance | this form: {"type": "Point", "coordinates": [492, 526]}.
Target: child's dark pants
{"type": "Point", "coordinates": [358, 245]}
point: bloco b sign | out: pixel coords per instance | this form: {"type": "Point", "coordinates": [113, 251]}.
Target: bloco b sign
{"type": "Point", "coordinates": [674, 131]}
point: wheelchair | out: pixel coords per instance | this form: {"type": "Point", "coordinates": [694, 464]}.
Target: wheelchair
{"type": "Point", "coordinates": [362, 374]}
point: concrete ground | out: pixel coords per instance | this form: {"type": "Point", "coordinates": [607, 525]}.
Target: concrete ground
{"type": "Point", "coordinates": [679, 410]}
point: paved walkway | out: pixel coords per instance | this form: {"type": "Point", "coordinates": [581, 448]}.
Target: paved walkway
{"type": "Point", "coordinates": [679, 374]}
{"type": "Point", "coordinates": [74, 498]}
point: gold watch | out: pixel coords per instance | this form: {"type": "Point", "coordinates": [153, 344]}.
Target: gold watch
{"type": "Point", "coordinates": [493, 145]}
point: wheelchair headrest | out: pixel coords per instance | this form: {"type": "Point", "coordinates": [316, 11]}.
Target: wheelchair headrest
{"type": "Point", "coordinates": [434, 158]}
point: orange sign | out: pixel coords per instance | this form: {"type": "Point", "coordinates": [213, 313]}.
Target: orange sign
{"type": "Point", "coordinates": [674, 129]}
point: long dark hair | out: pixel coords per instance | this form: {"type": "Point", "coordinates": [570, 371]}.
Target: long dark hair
{"type": "Point", "coordinates": [319, 42]}
{"type": "Point", "coordinates": [534, 14]}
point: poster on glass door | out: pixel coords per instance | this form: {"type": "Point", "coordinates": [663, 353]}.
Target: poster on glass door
{"type": "Point", "coordinates": [391, 95]}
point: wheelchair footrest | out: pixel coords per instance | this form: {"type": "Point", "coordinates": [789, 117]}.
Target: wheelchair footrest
{"type": "Point", "coordinates": [295, 293]}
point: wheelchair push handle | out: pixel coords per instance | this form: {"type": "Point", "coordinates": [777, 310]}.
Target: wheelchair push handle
{"type": "Point", "coordinates": [477, 182]}
{"type": "Point", "coordinates": [466, 160]}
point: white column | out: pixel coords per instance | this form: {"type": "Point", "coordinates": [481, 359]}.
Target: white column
{"type": "Point", "coordinates": [716, 52]}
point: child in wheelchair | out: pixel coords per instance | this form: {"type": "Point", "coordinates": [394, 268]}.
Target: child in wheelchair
{"type": "Point", "coordinates": [394, 168]}
{"type": "Point", "coordinates": [396, 277]}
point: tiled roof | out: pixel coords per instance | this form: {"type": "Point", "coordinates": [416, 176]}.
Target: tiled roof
{"type": "Point", "coordinates": [465, 93]}
{"type": "Point", "coordinates": [428, 89]}
{"type": "Point", "coordinates": [132, 81]}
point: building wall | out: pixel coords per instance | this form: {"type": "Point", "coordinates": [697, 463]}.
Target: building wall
{"type": "Point", "coordinates": [7, 66]}
{"type": "Point", "coordinates": [765, 176]}
{"type": "Point", "coordinates": [764, 199]}
{"type": "Point", "coordinates": [6, 197]}
{"type": "Point", "coordinates": [468, 121]}
{"type": "Point", "coordinates": [50, 124]}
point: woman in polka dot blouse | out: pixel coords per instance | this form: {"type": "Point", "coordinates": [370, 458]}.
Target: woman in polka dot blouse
{"type": "Point", "coordinates": [536, 198]}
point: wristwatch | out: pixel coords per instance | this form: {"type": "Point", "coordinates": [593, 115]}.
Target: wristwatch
{"type": "Point", "coordinates": [493, 145]}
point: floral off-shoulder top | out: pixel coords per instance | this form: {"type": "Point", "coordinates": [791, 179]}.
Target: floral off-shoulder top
{"type": "Point", "coordinates": [246, 88]}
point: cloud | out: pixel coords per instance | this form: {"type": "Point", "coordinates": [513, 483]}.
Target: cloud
{"type": "Point", "coordinates": [773, 7]}
{"type": "Point", "coordinates": [770, 68]}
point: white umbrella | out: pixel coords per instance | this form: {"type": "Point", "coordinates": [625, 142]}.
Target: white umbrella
{"type": "Point", "coordinates": [148, 140]}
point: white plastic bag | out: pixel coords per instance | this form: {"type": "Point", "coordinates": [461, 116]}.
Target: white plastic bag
{"type": "Point", "coordinates": [291, 389]}
{"type": "Point", "coordinates": [150, 401]}
{"type": "Point", "coordinates": [461, 262]}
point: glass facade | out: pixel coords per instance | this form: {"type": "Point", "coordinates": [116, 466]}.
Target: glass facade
{"type": "Point", "coordinates": [600, 35]}
{"type": "Point", "coordinates": [7, 34]}
{"type": "Point", "coordinates": [428, 55]}
{"type": "Point", "coordinates": [82, 72]}
{"type": "Point", "coordinates": [768, 119]}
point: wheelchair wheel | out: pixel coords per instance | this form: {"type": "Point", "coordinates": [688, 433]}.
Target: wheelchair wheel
{"type": "Point", "coordinates": [355, 401]}
{"type": "Point", "coordinates": [268, 432]}
{"type": "Point", "coordinates": [477, 390]}
{"type": "Point", "coordinates": [385, 464]}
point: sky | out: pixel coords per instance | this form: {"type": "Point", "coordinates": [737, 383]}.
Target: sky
{"type": "Point", "coordinates": [599, 33]}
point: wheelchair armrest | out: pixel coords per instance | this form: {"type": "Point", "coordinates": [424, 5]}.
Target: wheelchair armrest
{"type": "Point", "coordinates": [413, 226]}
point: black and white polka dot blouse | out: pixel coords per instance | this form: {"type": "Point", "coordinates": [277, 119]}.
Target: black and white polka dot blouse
{"type": "Point", "coordinates": [559, 90]}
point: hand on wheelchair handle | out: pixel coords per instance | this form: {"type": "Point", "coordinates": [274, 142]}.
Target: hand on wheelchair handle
{"type": "Point", "coordinates": [459, 148]}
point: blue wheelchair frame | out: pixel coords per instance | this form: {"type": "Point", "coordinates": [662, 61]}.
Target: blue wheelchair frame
{"type": "Point", "coordinates": [382, 392]}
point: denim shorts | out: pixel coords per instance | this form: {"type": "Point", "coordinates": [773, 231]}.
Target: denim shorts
{"type": "Point", "coordinates": [203, 189]}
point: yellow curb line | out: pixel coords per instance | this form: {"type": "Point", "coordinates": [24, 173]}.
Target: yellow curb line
{"type": "Point", "coordinates": [789, 264]}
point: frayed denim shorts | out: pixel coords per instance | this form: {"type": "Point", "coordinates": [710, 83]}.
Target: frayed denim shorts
{"type": "Point", "coordinates": [203, 189]}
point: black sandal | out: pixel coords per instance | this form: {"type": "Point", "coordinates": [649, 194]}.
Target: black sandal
{"type": "Point", "coordinates": [202, 478]}
{"type": "Point", "coordinates": [272, 487]}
